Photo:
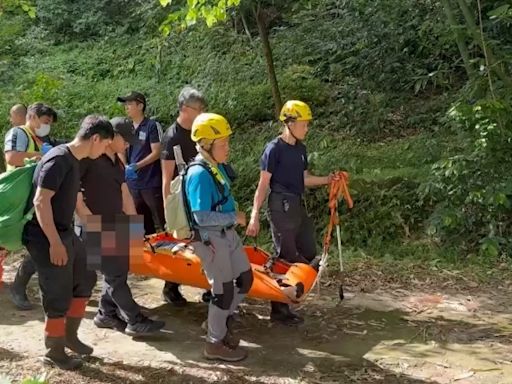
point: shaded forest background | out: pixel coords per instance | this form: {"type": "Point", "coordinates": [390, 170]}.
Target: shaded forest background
{"type": "Point", "coordinates": [412, 97]}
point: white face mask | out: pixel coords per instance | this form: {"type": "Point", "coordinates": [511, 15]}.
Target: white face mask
{"type": "Point", "coordinates": [43, 130]}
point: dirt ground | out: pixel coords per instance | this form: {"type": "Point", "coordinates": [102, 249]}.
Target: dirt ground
{"type": "Point", "coordinates": [392, 333]}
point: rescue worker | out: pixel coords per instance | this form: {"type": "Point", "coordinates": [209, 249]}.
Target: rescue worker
{"type": "Point", "coordinates": [284, 169]}
{"type": "Point", "coordinates": [59, 254]}
{"type": "Point", "coordinates": [214, 215]}
{"type": "Point", "coordinates": [17, 115]}
{"type": "Point", "coordinates": [190, 104]}
{"type": "Point", "coordinates": [143, 169]}
{"type": "Point", "coordinates": [105, 193]}
{"type": "Point", "coordinates": [28, 138]}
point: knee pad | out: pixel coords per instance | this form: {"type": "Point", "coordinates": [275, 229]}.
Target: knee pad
{"type": "Point", "coordinates": [224, 300]}
{"type": "Point", "coordinates": [244, 281]}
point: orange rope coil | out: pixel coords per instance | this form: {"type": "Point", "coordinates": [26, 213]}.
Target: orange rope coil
{"type": "Point", "coordinates": [337, 188]}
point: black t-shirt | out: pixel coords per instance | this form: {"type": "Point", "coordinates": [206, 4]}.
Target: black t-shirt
{"type": "Point", "coordinates": [287, 164]}
{"type": "Point", "coordinates": [59, 172]}
{"type": "Point", "coordinates": [177, 135]}
{"type": "Point", "coordinates": [101, 180]}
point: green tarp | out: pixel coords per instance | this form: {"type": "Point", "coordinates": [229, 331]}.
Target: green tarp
{"type": "Point", "coordinates": [15, 190]}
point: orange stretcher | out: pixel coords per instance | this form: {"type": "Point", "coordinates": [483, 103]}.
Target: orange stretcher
{"type": "Point", "coordinates": [174, 260]}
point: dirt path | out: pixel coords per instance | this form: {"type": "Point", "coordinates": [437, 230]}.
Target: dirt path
{"type": "Point", "coordinates": [387, 336]}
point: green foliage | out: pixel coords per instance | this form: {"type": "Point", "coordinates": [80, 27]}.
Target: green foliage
{"type": "Point", "coordinates": [11, 5]}
{"type": "Point", "coordinates": [378, 75]}
{"type": "Point", "coordinates": [472, 190]}
{"type": "Point", "coordinates": [40, 379]}
{"type": "Point", "coordinates": [183, 16]}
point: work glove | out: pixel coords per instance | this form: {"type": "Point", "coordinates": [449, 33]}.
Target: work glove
{"type": "Point", "coordinates": [45, 148]}
{"type": "Point", "coordinates": [131, 172]}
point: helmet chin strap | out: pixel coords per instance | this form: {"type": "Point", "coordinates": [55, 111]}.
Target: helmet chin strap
{"type": "Point", "coordinates": [291, 133]}
{"type": "Point", "coordinates": [208, 153]}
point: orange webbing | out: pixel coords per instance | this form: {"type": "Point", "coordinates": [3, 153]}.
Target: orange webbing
{"type": "Point", "coordinates": [337, 189]}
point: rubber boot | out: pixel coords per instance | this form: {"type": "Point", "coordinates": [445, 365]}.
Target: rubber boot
{"type": "Point", "coordinates": [72, 341]}
{"type": "Point", "coordinates": [18, 289]}
{"type": "Point", "coordinates": [56, 355]}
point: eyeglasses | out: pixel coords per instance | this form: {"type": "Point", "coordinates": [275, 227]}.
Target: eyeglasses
{"type": "Point", "coordinates": [200, 109]}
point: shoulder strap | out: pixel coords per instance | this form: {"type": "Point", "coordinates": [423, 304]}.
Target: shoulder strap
{"type": "Point", "coordinates": [31, 146]}
{"type": "Point", "coordinates": [220, 187]}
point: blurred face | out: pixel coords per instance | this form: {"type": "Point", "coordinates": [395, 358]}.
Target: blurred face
{"type": "Point", "coordinates": [299, 129]}
{"type": "Point", "coordinates": [190, 111]}
{"type": "Point", "coordinates": [133, 109]}
{"type": "Point", "coordinates": [220, 150]}
{"type": "Point", "coordinates": [16, 119]}
{"type": "Point", "coordinates": [98, 146]}
{"type": "Point", "coordinates": [119, 145]}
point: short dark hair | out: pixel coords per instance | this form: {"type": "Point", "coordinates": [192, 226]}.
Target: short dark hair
{"type": "Point", "coordinates": [40, 109]}
{"type": "Point", "coordinates": [95, 125]}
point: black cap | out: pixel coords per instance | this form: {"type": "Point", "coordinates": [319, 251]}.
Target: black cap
{"type": "Point", "coordinates": [124, 127]}
{"type": "Point", "coordinates": [133, 96]}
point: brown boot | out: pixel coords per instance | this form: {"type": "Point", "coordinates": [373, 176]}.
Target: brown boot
{"type": "Point", "coordinates": [72, 340]}
{"type": "Point", "coordinates": [219, 351]}
{"type": "Point", "coordinates": [230, 340]}
{"type": "Point", "coordinates": [56, 355]}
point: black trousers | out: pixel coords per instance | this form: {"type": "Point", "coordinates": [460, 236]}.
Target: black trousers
{"type": "Point", "coordinates": [293, 232]}
{"type": "Point", "coordinates": [27, 269]}
{"type": "Point", "coordinates": [59, 284]}
{"type": "Point", "coordinates": [149, 203]}
{"type": "Point", "coordinates": [116, 294]}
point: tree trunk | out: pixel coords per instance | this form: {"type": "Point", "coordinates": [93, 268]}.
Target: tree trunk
{"type": "Point", "coordinates": [459, 38]}
{"type": "Point", "coordinates": [473, 30]}
{"type": "Point", "coordinates": [267, 51]}
{"type": "Point", "coordinates": [245, 25]}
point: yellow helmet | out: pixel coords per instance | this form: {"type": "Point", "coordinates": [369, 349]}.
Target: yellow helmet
{"type": "Point", "coordinates": [210, 126]}
{"type": "Point", "coordinates": [296, 110]}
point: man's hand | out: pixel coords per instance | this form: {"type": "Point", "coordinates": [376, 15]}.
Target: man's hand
{"type": "Point", "coordinates": [58, 254]}
{"type": "Point", "coordinates": [332, 177]}
{"type": "Point", "coordinates": [240, 219]}
{"type": "Point", "coordinates": [254, 227]}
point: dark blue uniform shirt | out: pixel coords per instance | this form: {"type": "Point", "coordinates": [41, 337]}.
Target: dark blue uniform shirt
{"type": "Point", "coordinates": [287, 164]}
{"type": "Point", "coordinates": [148, 132]}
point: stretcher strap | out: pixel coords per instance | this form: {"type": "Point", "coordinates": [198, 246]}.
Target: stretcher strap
{"type": "Point", "coordinates": [337, 189]}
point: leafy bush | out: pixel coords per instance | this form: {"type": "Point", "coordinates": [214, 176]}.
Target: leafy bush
{"type": "Point", "coordinates": [472, 190]}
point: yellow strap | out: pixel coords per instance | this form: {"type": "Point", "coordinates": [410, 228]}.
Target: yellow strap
{"type": "Point", "coordinates": [31, 144]}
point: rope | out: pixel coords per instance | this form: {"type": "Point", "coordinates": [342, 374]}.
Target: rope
{"type": "Point", "coordinates": [338, 188]}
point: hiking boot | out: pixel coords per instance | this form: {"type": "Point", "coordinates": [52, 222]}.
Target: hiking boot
{"type": "Point", "coordinates": [144, 327]}
{"type": "Point", "coordinates": [56, 355]}
{"type": "Point", "coordinates": [172, 295]}
{"type": "Point", "coordinates": [219, 351]}
{"type": "Point", "coordinates": [72, 340]}
{"type": "Point", "coordinates": [281, 313]}
{"type": "Point", "coordinates": [230, 340]}
{"type": "Point", "coordinates": [18, 290]}
{"type": "Point", "coordinates": [111, 322]}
